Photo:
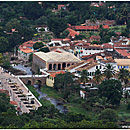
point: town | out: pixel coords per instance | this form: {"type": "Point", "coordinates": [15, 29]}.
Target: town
{"type": "Point", "coordinates": [64, 67]}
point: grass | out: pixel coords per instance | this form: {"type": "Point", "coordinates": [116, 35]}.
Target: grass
{"type": "Point", "coordinates": [33, 90]}
{"type": "Point", "coordinates": [52, 93]}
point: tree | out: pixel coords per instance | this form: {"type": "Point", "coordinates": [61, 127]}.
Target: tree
{"type": "Point", "coordinates": [98, 76]}
{"type": "Point", "coordinates": [57, 25]}
{"type": "Point", "coordinates": [84, 76]}
{"type": "Point", "coordinates": [112, 90]}
{"type": "Point", "coordinates": [64, 34]}
{"type": "Point", "coordinates": [109, 115]}
{"type": "Point", "coordinates": [38, 45]}
{"type": "Point", "coordinates": [45, 49]}
{"type": "Point", "coordinates": [64, 83]}
{"type": "Point", "coordinates": [3, 44]}
{"type": "Point", "coordinates": [124, 76]}
{"type": "Point", "coordinates": [41, 21]}
{"type": "Point", "coordinates": [31, 57]}
{"type": "Point", "coordinates": [109, 71]}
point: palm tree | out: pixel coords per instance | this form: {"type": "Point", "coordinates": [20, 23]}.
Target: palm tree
{"type": "Point", "coordinates": [84, 76]}
{"type": "Point", "coordinates": [124, 76]}
{"type": "Point", "coordinates": [98, 76]}
{"type": "Point", "coordinates": [109, 71]}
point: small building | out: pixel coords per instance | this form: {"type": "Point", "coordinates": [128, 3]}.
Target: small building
{"type": "Point", "coordinates": [41, 28]}
{"type": "Point", "coordinates": [50, 78]}
{"type": "Point", "coordinates": [123, 63]}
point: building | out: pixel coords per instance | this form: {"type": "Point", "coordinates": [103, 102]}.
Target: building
{"type": "Point", "coordinates": [53, 61]}
{"type": "Point", "coordinates": [41, 28]}
{"type": "Point", "coordinates": [123, 63]}
{"type": "Point", "coordinates": [50, 78]}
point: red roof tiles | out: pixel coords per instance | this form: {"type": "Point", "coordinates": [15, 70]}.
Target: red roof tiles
{"type": "Point", "coordinates": [54, 75]}
{"type": "Point", "coordinates": [13, 103]}
{"type": "Point", "coordinates": [72, 33]}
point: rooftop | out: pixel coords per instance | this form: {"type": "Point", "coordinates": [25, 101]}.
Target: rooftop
{"type": "Point", "coordinates": [57, 57]}
{"type": "Point", "coordinates": [122, 61]}
{"type": "Point", "coordinates": [54, 74]}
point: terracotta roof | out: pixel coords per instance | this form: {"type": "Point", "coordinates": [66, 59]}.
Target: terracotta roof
{"type": "Point", "coordinates": [58, 39]}
{"type": "Point", "coordinates": [54, 75]}
{"type": "Point", "coordinates": [26, 50]}
{"type": "Point", "coordinates": [72, 33]}
{"type": "Point", "coordinates": [13, 103]}
{"type": "Point", "coordinates": [4, 91]}
{"type": "Point", "coordinates": [59, 6]}
{"type": "Point", "coordinates": [107, 46]}
{"type": "Point", "coordinates": [89, 27]}
{"type": "Point", "coordinates": [87, 66]}
{"type": "Point", "coordinates": [99, 57]}
{"type": "Point", "coordinates": [123, 52]}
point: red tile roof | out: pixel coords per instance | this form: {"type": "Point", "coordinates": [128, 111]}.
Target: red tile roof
{"type": "Point", "coordinates": [58, 39]}
{"type": "Point", "coordinates": [59, 6]}
{"type": "Point", "coordinates": [72, 33]}
{"type": "Point", "coordinates": [89, 27]}
{"type": "Point", "coordinates": [26, 50]}
{"type": "Point", "coordinates": [107, 45]}
{"type": "Point", "coordinates": [123, 52]}
{"type": "Point", "coordinates": [13, 103]}
{"type": "Point", "coordinates": [4, 91]}
{"type": "Point", "coordinates": [54, 74]}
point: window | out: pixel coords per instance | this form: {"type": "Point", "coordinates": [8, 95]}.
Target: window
{"type": "Point", "coordinates": [100, 67]}
{"type": "Point", "coordinates": [96, 67]}
{"type": "Point", "coordinates": [121, 67]}
{"type": "Point", "coordinates": [118, 67]}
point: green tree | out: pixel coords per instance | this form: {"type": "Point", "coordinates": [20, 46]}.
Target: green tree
{"type": "Point", "coordinates": [38, 45]}
{"type": "Point", "coordinates": [64, 34]}
{"type": "Point", "coordinates": [31, 57]}
{"type": "Point", "coordinates": [41, 21]}
{"type": "Point", "coordinates": [45, 49]}
{"type": "Point", "coordinates": [98, 76]}
{"type": "Point", "coordinates": [3, 44]}
{"type": "Point", "coordinates": [109, 115]}
{"type": "Point", "coordinates": [84, 76]}
{"type": "Point", "coordinates": [112, 90]}
{"type": "Point", "coordinates": [109, 71]}
{"type": "Point", "coordinates": [124, 76]}
{"type": "Point", "coordinates": [57, 25]}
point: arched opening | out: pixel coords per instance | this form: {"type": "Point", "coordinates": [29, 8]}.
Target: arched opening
{"type": "Point", "coordinates": [50, 66]}
{"type": "Point", "coordinates": [29, 82]}
{"type": "Point", "coordinates": [54, 67]}
{"type": "Point", "coordinates": [38, 83]}
{"type": "Point", "coordinates": [63, 66]}
{"type": "Point", "coordinates": [68, 65]}
{"type": "Point", "coordinates": [59, 66]}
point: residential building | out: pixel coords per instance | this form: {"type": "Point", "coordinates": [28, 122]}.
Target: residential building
{"type": "Point", "coordinates": [123, 63]}
{"type": "Point", "coordinates": [41, 28]}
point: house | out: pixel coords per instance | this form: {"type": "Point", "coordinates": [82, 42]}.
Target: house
{"type": "Point", "coordinates": [90, 65]}
{"type": "Point", "coordinates": [53, 61]}
{"type": "Point", "coordinates": [99, 22]}
{"type": "Point", "coordinates": [58, 42]}
{"type": "Point", "coordinates": [83, 94]}
{"type": "Point", "coordinates": [94, 38]}
{"type": "Point", "coordinates": [14, 103]}
{"type": "Point", "coordinates": [107, 47]}
{"type": "Point", "coordinates": [72, 33]}
{"type": "Point", "coordinates": [61, 7]}
{"type": "Point", "coordinates": [123, 63]}
{"type": "Point", "coordinates": [125, 53]}
{"type": "Point", "coordinates": [41, 28]}
{"type": "Point", "coordinates": [50, 78]}
{"type": "Point", "coordinates": [88, 28]}
{"type": "Point", "coordinates": [25, 50]}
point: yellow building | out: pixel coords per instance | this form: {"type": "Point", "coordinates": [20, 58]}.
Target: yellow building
{"type": "Point", "coordinates": [50, 78]}
{"type": "Point", "coordinates": [123, 63]}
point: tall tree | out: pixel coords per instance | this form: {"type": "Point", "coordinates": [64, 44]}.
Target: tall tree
{"type": "Point", "coordinates": [98, 76]}
{"type": "Point", "coordinates": [84, 76]}
{"type": "Point", "coordinates": [57, 25]}
{"type": "Point", "coordinates": [112, 90]}
{"type": "Point", "coordinates": [124, 76]}
{"type": "Point", "coordinates": [109, 71]}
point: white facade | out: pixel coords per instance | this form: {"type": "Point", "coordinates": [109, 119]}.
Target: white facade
{"type": "Point", "coordinates": [57, 43]}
